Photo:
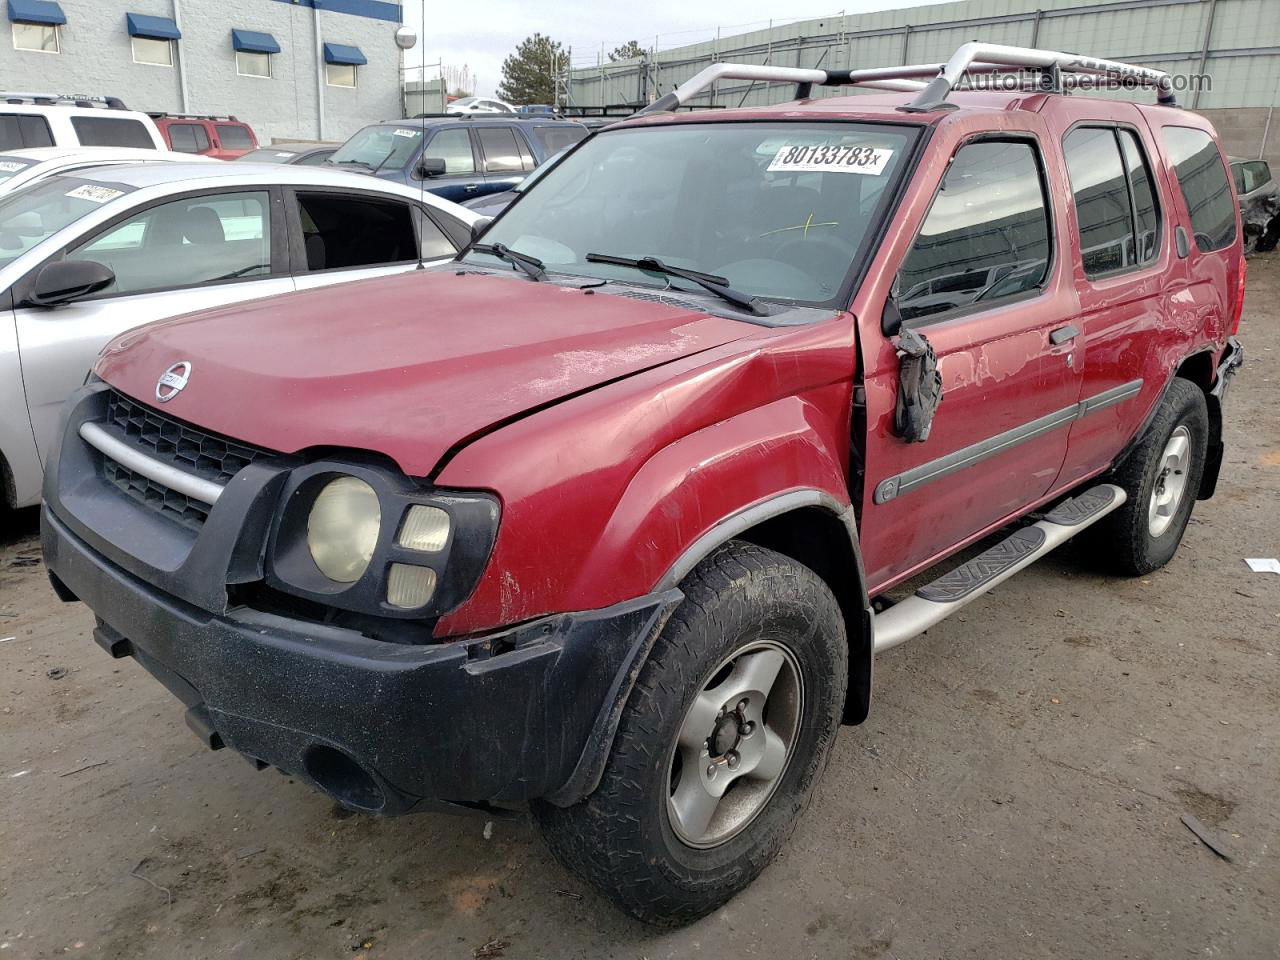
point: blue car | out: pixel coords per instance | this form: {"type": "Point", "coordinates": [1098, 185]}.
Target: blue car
{"type": "Point", "coordinates": [456, 157]}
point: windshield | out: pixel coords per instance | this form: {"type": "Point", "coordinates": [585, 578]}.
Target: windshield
{"type": "Point", "coordinates": [780, 210]}
{"type": "Point", "coordinates": [12, 166]}
{"type": "Point", "coordinates": [382, 146]}
{"type": "Point", "coordinates": [33, 214]}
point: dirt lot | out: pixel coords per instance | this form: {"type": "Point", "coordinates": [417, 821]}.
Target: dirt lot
{"type": "Point", "coordinates": [1016, 794]}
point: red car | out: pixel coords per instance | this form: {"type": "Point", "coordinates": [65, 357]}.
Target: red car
{"type": "Point", "coordinates": [223, 138]}
{"type": "Point", "coordinates": [610, 516]}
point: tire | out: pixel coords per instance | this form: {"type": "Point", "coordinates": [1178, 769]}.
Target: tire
{"type": "Point", "coordinates": [753, 607]}
{"type": "Point", "coordinates": [1132, 541]}
{"type": "Point", "coordinates": [1267, 242]}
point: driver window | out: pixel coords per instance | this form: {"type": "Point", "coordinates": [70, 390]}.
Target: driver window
{"type": "Point", "coordinates": [186, 242]}
{"type": "Point", "coordinates": [454, 148]}
{"type": "Point", "coordinates": [986, 235]}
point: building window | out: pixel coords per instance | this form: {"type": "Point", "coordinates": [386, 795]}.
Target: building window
{"type": "Point", "coordinates": [340, 74]}
{"type": "Point", "coordinates": [149, 50]}
{"type": "Point", "coordinates": [36, 37]}
{"type": "Point", "coordinates": [253, 64]}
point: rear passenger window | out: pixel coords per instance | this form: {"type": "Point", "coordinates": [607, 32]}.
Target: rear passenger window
{"type": "Point", "coordinates": [234, 136]}
{"type": "Point", "coordinates": [501, 152]}
{"type": "Point", "coordinates": [1203, 181]}
{"type": "Point", "coordinates": [341, 232]}
{"type": "Point", "coordinates": [1102, 200]}
{"type": "Point", "coordinates": [182, 137]}
{"type": "Point", "coordinates": [1115, 207]}
{"type": "Point", "coordinates": [555, 139]}
{"type": "Point", "coordinates": [19, 130]}
{"type": "Point", "coordinates": [111, 132]}
{"type": "Point", "coordinates": [186, 242]}
{"type": "Point", "coordinates": [454, 148]}
{"type": "Point", "coordinates": [986, 236]}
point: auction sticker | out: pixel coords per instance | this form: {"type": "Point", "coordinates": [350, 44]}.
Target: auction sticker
{"type": "Point", "coordinates": [94, 194]}
{"type": "Point", "coordinates": [825, 158]}
{"type": "Point", "coordinates": [402, 132]}
{"type": "Point", "coordinates": [9, 166]}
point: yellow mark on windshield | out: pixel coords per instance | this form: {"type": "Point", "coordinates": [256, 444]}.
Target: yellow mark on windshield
{"type": "Point", "coordinates": [806, 226]}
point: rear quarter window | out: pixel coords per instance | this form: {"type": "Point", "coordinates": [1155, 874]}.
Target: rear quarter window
{"type": "Point", "coordinates": [1202, 178]}
{"type": "Point", "coordinates": [111, 132]}
{"type": "Point", "coordinates": [555, 139]}
{"type": "Point", "coordinates": [234, 136]}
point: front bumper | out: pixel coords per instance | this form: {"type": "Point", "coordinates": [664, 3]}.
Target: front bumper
{"type": "Point", "coordinates": [382, 727]}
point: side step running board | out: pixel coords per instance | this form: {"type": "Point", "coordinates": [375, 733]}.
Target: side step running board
{"type": "Point", "coordinates": [936, 601]}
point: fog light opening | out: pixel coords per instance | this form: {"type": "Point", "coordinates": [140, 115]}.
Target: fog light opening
{"type": "Point", "coordinates": [343, 779]}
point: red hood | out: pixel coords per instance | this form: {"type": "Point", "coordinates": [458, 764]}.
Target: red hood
{"type": "Point", "coordinates": [407, 366]}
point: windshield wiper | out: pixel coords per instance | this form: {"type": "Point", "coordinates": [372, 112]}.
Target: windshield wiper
{"type": "Point", "coordinates": [708, 281]}
{"type": "Point", "coordinates": [532, 266]}
{"type": "Point", "coordinates": [358, 163]}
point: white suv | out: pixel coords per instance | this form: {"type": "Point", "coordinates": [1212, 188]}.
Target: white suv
{"type": "Point", "coordinates": [51, 120]}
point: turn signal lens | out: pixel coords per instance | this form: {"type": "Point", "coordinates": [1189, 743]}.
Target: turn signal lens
{"type": "Point", "coordinates": [342, 529]}
{"type": "Point", "coordinates": [409, 587]}
{"type": "Point", "coordinates": [425, 529]}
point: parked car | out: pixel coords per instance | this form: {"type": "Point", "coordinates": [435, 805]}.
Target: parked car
{"type": "Point", "coordinates": [21, 167]}
{"type": "Point", "coordinates": [479, 105]}
{"type": "Point", "coordinates": [492, 204]}
{"type": "Point", "coordinates": [52, 120]}
{"type": "Point", "coordinates": [1259, 203]}
{"type": "Point", "coordinates": [456, 157]}
{"type": "Point", "coordinates": [307, 154]}
{"type": "Point", "coordinates": [220, 137]}
{"type": "Point", "coordinates": [87, 255]}
{"type": "Point", "coordinates": [611, 517]}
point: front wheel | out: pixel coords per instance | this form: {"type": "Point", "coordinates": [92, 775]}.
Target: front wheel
{"type": "Point", "coordinates": [1162, 478]}
{"type": "Point", "coordinates": [721, 743]}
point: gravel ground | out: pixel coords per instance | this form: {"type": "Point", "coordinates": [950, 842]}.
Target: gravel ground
{"type": "Point", "coordinates": [1017, 792]}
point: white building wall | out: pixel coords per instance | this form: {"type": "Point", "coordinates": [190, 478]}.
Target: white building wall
{"type": "Point", "coordinates": [97, 59]}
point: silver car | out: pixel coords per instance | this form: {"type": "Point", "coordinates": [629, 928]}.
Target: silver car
{"type": "Point", "coordinates": [87, 255]}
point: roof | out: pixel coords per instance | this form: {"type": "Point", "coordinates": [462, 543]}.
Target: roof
{"type": "Point", "coordinates": [195, 175]}
{"type": "Point", "coordinates": [45, 154]}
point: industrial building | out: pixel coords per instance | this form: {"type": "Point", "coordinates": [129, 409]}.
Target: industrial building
{"type": "Point", "coordinates": [1236, 43]}
{"type": "Point", "coordinates": [292, 69]}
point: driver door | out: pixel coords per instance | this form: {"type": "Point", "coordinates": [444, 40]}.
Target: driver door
{"type": "Point", "coordinates": [170, 258]}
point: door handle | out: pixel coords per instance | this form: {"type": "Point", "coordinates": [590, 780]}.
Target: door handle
{"type": "Point", "coordinates": [1063, 335]}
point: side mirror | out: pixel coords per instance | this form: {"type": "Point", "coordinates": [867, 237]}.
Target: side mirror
{"type": "Point", "coordinates": [66, 281]}
{"type": "Point", "coordinates": [430, 167]}
{"type": "Point", "coordinates": [479, 227]}
{"type": "Point", "coordinates": [891, 319]}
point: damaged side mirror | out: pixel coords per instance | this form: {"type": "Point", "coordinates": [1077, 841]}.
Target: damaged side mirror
{"type": "Point", "coordinates": [919, 387]}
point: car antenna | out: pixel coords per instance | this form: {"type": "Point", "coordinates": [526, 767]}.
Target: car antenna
{"type": "Point", "coordinates": [422, 181]}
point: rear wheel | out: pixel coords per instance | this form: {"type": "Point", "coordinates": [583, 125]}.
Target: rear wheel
{"type": "Point", "coordinates": [1270, 236]}
{"type": "Point", "coordinates": [721, 742]}
{"type": "Point", "coordinates": [1162, 477]}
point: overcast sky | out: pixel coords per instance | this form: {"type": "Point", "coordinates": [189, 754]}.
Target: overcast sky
{"type": "Point", "coordinates": [480, 35]}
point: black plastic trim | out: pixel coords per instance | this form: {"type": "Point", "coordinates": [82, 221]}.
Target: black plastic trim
{"type": "Point", "coordinates": [986, 566]}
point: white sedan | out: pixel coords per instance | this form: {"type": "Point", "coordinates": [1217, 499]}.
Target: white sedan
{"type": "Point", "coordinates": [86, 255]}
{"type": "Point", "coordinates": [21, 167]}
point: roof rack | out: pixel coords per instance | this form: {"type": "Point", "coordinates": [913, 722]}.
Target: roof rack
{"type": "Point", "coordinates": [970, 58]}
{"type": "Point", "coordinates": [62, 99]}
{"type": "Point", "coordinates": [162, 115]}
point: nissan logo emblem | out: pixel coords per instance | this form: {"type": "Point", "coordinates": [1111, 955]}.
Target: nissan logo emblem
{"type": "Point", "coordinates": [173, 380]}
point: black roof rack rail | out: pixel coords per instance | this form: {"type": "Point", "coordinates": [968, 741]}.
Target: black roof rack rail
{"type": "Point", "coordinates": [62, 99]}
{"type": "Point", "coordinates": [1059, 70]}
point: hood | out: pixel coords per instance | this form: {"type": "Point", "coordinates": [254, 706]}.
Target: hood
{"type": "Point", "coordinates": [408, 366]}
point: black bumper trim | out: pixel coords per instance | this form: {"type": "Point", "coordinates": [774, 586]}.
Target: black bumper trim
{"type": "Point", "coordinates": [441, 722]}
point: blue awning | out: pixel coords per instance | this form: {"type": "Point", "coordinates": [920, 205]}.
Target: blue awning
{"type": "Point", "coordinates": [157, 28]}
{"type": "Point", "coordinates": [36, 11]}
{"type": "Point", "coordinates": [252, 42]}
{"type": "Point", "coordinates": [341, 53]}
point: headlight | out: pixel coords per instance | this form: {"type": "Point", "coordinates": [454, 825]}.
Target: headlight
{"type": "Point", "coordinates": [342, 528]}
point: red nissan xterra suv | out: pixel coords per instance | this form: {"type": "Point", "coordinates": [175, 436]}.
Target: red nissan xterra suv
{"type": "Point", "coordinates": [593, 519]}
